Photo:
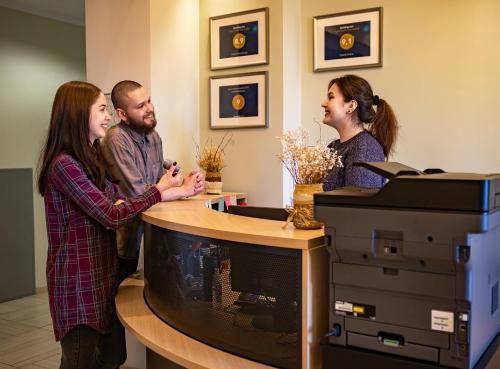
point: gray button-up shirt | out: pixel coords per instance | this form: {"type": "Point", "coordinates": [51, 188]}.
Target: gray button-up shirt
{"type": "Point", "coordinates": [135, 160]}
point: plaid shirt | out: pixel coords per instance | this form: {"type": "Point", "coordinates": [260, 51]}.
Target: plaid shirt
{"type": "Point", "coordinates": [82, 258]}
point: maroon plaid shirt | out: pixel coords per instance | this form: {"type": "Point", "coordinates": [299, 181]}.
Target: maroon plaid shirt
{"type": "Point", "coordinates": [82, 256]}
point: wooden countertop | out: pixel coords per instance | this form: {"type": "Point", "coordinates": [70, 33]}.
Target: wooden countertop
{"type": "Point", "coordinates": [166, 341]}
{"type": "Point", "coordinates": [193, 217]}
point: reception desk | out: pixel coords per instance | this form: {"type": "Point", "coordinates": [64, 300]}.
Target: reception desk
{"type": "Point", "coordinates": [236, 292]}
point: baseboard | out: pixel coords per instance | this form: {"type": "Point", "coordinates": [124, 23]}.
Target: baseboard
{"type": "Point", "coordinates": [41, 290]}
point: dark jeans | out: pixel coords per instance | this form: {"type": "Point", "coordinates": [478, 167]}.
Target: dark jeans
{"type": "Point", "coordinates": [126, 267]}
{"type": "Point", "coordinates": [86, 348]}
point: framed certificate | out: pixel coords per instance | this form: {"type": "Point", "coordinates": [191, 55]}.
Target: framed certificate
{"type": "Point", "coordinates": [239, 101]}
{"type": "Point", "coordinates": [111, 110]}
{"type": "Point", "coordinates": [239, 39]}
{"type": "Point", "coordinates": [348, 40]}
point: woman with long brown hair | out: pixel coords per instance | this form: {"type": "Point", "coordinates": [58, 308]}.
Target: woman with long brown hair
{"type": "Point", "coordinates": [365, 133]}
{"type": "Point", "coordinates": [82, 213]}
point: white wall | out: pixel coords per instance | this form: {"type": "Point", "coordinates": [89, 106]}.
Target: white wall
{"type": "Point", "coordinates": [440, 73]}
{"type": "Point", "coordinates": [36, 56]}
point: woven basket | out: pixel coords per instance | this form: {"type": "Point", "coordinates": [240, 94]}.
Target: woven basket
{"type": "Point", "coordinates": [213, 187]}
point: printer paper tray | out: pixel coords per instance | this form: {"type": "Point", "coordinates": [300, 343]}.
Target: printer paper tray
{"type": "Point", "coordinates": [415, 336]}
{"type": "Point", "coordinates": [408, 349]}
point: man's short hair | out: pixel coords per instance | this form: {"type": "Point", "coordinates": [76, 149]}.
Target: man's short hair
{"type": "Point", "coordinates": [120, 91]}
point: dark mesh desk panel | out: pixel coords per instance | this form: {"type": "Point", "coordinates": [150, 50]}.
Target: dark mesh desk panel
{"type": "Point", "coordinates": [241, 298]}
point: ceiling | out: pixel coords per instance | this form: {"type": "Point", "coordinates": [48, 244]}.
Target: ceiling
{"type": "Point", "coordinates": [70, 11]}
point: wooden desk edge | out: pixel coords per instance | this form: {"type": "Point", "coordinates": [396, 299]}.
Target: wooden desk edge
{"type": "Point", "coordinates": [166, 341]}
{"type": "Point", "coordinates": [272, 234]}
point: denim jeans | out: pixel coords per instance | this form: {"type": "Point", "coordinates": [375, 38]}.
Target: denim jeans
{"type": "Point", "coordinates": [86, 348]}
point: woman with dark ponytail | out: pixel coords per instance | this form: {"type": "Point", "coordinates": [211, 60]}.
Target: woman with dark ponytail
{"type": "Point", "coordinates": [350, 105]}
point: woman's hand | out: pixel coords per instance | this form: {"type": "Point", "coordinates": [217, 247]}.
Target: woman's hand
{"type": "Point", "coordinates": [169, 180]}
{"type": "Point", "coordinates": [193, 184]}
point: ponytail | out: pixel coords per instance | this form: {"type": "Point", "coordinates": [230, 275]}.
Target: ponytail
{"type": "Point", "coordinates": [384, 126]}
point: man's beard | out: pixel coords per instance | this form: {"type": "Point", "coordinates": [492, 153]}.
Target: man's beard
{"type": "Point", "coordinates": [140, 126]}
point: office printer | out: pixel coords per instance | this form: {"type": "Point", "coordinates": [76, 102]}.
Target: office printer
{"type": "Point", "coordinates": [415, 267]}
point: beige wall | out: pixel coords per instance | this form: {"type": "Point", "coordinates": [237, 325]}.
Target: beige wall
{"type": "Point", "coordinates": [174, 77]}
{"type": "Point", "coordinates": [36, 56]}
{"type": "Point", "coordinates": [440, 75]}
{"type": "Point", "coordinates": [252, 164]}
{"type": "Point", "coordinates": [292, 63]}
{"type": "Point", "coordinates": [154, 42]}
{"type": "Point", "coordinates": [117, 35]}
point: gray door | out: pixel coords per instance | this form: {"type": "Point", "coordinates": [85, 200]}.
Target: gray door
{"type": "Point", "coordinates": [17, 266]}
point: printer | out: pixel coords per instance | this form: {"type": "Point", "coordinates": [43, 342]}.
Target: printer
{"type": "Point", "coordinates": [415, 268]}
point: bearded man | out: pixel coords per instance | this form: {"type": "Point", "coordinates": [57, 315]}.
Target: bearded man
{"type": "Point", "coordinates": [132, 150]}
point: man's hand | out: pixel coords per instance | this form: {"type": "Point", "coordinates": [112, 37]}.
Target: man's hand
{"type": "Point", "coordinates": [169, 180]}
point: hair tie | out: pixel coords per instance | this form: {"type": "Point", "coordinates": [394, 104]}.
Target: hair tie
{"type": "Point", "coordinates": [376, 100]}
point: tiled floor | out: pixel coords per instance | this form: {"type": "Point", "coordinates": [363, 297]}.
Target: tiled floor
{"type": "Point", "coordinates": [26, 337]}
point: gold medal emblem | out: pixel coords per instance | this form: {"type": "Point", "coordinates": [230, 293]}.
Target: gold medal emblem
{"type": "Point", "coordinates": [346, 41]}
{"type": "Point", "coordinates": [238, 102]}
{"type": "Point", "coordinates": [239, 40]}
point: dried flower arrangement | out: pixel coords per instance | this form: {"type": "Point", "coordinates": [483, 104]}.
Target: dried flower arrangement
{"type": "Point", "coordinates": [306, 164]}
{"type": "Point", "coordinates": [210, 158]}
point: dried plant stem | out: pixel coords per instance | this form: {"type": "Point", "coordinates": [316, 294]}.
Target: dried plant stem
{"type": "Point", "coordinates": [210, 158]}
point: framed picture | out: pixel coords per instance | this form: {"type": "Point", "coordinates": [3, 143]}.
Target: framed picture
{"type": "Point", "coordinates": [111, 110]}
{"type": "Point", "coordinates": [239, 39]}
{"type": "Point", "coordinates": [239, 101]}
{"type": "Point", "coordinates": [348, 40]}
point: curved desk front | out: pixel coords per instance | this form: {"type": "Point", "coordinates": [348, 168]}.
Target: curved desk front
{"type": "Point", "coordinates": [236, 292]}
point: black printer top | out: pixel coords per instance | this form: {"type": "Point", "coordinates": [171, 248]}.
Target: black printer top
{"type": "Point", "coordinates": [431, 189]}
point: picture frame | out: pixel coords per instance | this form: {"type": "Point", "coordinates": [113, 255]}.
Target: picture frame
{"type": "Point", "coordinates": [111, 110]}
{"type": "Point", "coordinates": [239, 101]}
{"type": "Point", "coordinates": [348, 40]}
{"type": "Point", "coordinates": [239, 39]}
